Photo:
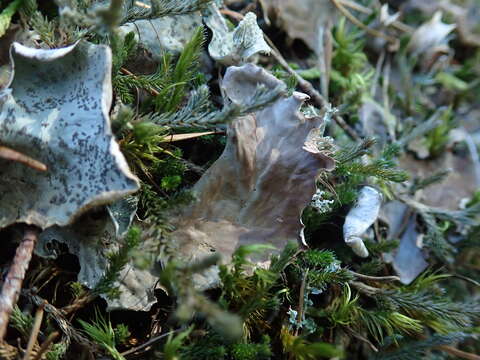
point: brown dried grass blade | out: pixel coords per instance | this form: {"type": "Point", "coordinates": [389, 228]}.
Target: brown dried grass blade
{"type": "Point", "coordinates": [9, 154]}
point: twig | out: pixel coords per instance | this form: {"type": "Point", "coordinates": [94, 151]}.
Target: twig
{"type": "Point", "coordinates": [50, 339]}
{"type": "Point", "coordinates": [35, 330]}
{"type": "Point", "coordinates": [364, 288]}
{"type": "Point", "coordinates": [458, 353]}
{"type": "Point", "coordinates": [142, 4]}
{"type": "Point", "coordinates": [301, 301]}
{"type": "Point", "coordinates": [347, 128]}
{"type": "Point", "coordinates": [357, 7]}
{"type": "Point", "coordinates": [361, 25]}
{"type": "Point", "coordinates": [374, 278]}
{"type": "Point", "coordinates": [58, 316]}
{"type": "Point", "coordinates": [305, 85]}
{"type": "Point", "coordinates": [151, 90]}
{"type": "Point", "coordinates": [13, 282]}
{"type": "Point", "coordinates": [77, 304]}
{"type": "Point", "coordinates": [360, 8]}
{"type": "Point", "coordinates": [454, 351]}
{"type": "Point", "coordinates": [233, 14]}
{"type": "Point", "coordinates": [148, 343]}
{"type": "Point", "coordinates": [10, 154]}
{"type": "Point", "coordinates": [476, 283]}
{"type": "Point", "coordinates": [360, 337]}
{"type": "Point", "coordinates": [180, 137]}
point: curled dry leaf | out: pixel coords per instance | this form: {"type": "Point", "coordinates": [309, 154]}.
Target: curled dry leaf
{"type": "Point", "coordinates": [302, 19]}
{"type": "Point", "coordinates": [256, 191]}
{"type": "Point", "coordinates": [460, 183]}
{"type": "Point", "coordinates": [55, 110]}
{"type": "Point", "coordinates": [234, 47]}
{"type": "Point", "coordinates": [360, 218]}
{"type": "Point", "coordinates": [409, 260]}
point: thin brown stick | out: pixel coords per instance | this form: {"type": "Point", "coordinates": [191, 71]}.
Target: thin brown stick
{"type": "Point", "coordinates": [10, 154]}
{"type": "Point", "coordinates": [466, 278]}
{"type": "Point", "coordinates": [361, 25]}
{"type": "Point", "coordinates": [347, 128]}
{"type": "Point", "coordinates": [364, 288]}
{"type": "Point", "coordinates": [187, 136]}
{"type": "Point", "coordinates": [360, 337]}
{"type": "Point", "coordinates": [35, 330]}
{"type": "Point", "coordinates": [147, 344]}
{"type": "Point", "coordinates": [13, 282]}
{"type": "Point", "coordinates": [77, 304]}
{"type": "Point", "coordinates": [360, 8]}
{"type": "Point", "coordinates": [60, 319]}
{"type": "Point", "coordinates": [458, 353]}
{"type": "Point", "coordinates": [374, 278]}
{"type": "Point", "coordinates": [142, 4]}
{"type": "Point", "coordinates": [454, 351]}
{"type": "Point", "coordinates": [50, 339]}
{"type": "Point", "coordinates": [357, 7]}
{"type": "Point", "coordinates": [233, 14]}
{"type": "Point", "coordinates": [301, 301]}
{"type": "Point", "coordinates": [151, 90]}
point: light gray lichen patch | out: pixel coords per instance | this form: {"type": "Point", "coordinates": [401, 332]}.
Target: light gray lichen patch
{"type": "Point", "coordinates": [55, 110]}
{"type": "Point", "coordinates": [91, 239]}
{"type": "Point", "coordinates": [165, 34]}
{"type": "Point", "coordinates": [360, 217]}
{"type": "Point", "coordinates": [238, 46]}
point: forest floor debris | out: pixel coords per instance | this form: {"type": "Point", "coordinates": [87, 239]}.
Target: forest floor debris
{"type": "Point", "coordinates": [239, 179]}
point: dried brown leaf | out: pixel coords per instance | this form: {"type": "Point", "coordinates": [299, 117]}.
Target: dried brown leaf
{"type": "Point", "coordinates": [256, 191]}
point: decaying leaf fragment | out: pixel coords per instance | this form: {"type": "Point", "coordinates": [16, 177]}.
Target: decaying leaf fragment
{"type": "Point", "coordinates": [409, 260]}
{"type": "Point", "coordinates": [460, 183]}
{"type": "Point", "coordinates": [256, 191]}
{"type": "Point", "coordinates": [55, 110]}
{"type": "Point", "coordinates": [302, 19]}
{"type": "Point", "coordinates": [360, 218]}
{"type": "Point", "coordinates": [234, 47]}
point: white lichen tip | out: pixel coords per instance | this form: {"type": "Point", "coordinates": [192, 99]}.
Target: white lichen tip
{"type": "Point", "coordinates": [360, 218]}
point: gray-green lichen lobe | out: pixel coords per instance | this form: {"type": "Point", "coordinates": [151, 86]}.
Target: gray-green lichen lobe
{"type": "Point", "coordinates": [56, 111]}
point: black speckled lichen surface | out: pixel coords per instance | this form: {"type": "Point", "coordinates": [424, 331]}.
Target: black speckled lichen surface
{"type": "Point", "coordinates": [55, 110]}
